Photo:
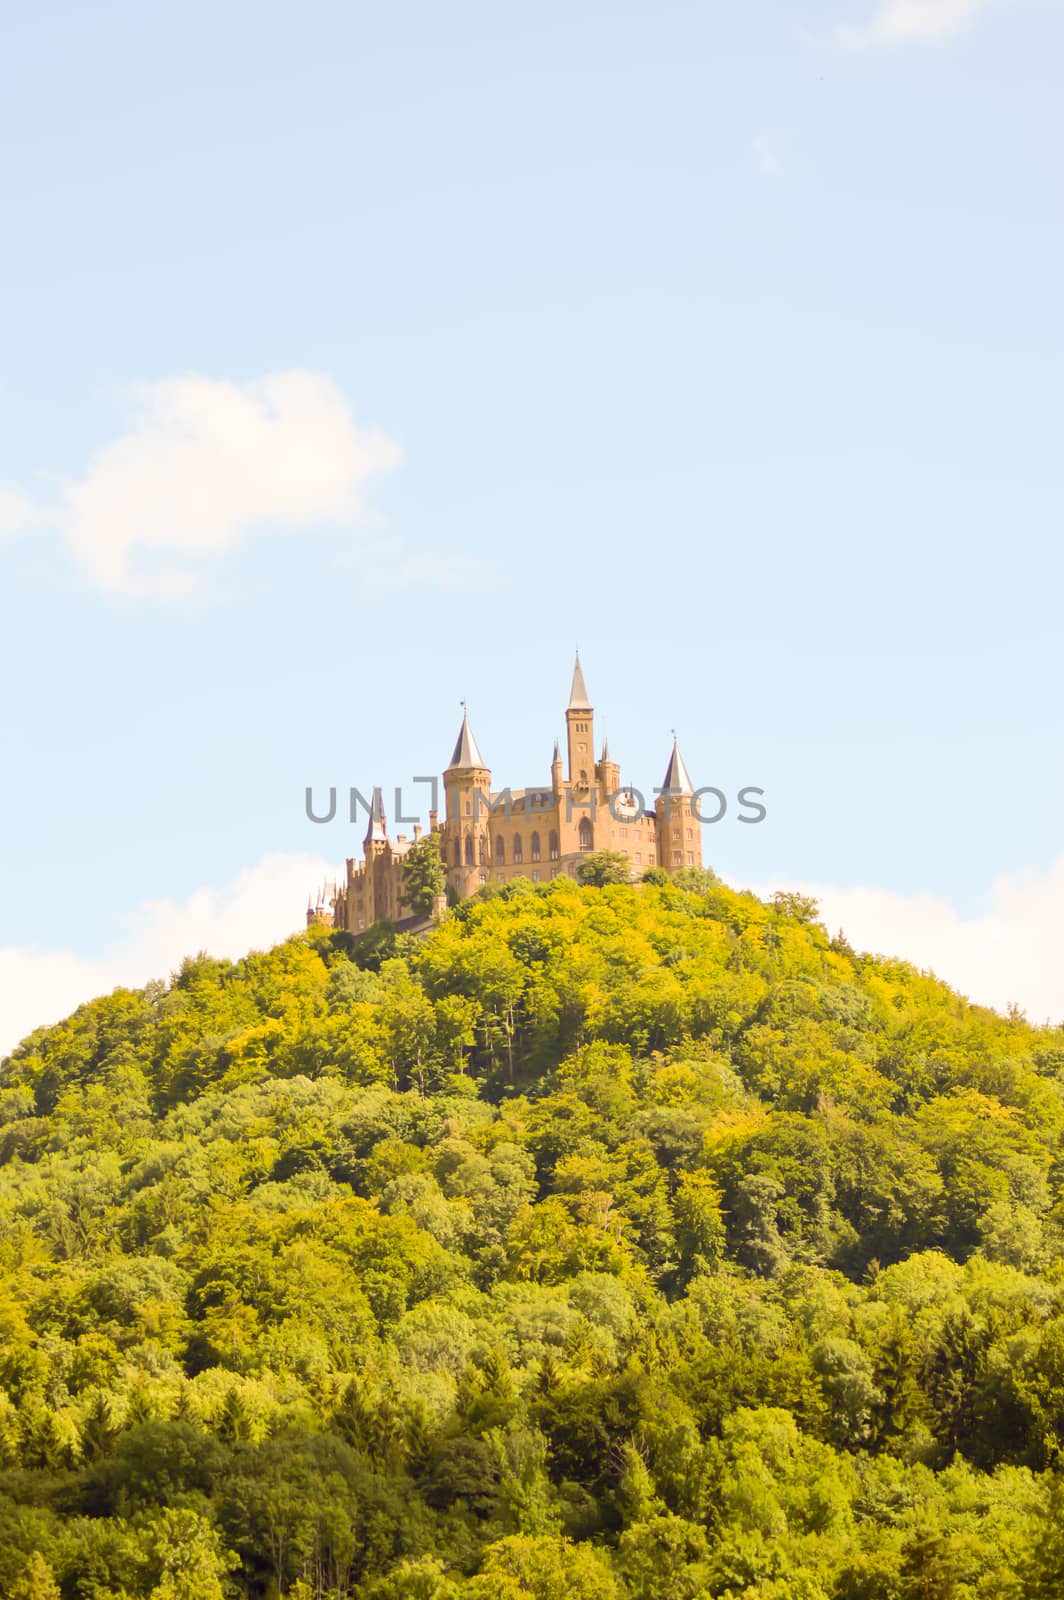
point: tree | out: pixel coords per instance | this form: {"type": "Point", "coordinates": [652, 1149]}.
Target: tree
{"type": "Point", "coordinates": [424, 875]}
{"type": "Point", "coordinates": [37, 1581]}
{"type": "Point", "coordinates": [603, 867]}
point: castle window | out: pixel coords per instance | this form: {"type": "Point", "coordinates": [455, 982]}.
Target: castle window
{"type": "Point", "coordinates": [677, 858]}
{"type": "Point", "coordinates": [500, 850]}
{"type": "Point", "coordinates": [553, 872]}
{"type": "Point", "coordinates": [519, 853]}
{"type": "Point", "coordinates": [639, 858]}
{"type": "Point", "coordinates": [690, 834]}
{"type": "Point", "coordinates": [483, 877]}
{"type": "Point", "coordinates": [652, 858]}
{"type": "Point", "coordinates": [469, 850]}
{"type": "Point", "coordinates": [553, 845]}
{"type": "Point", "coordinates": [535, 877]}
{"type": "Point", "coordinates": [690, 858]}
{"type": "Point", "coordinates": [587, 834]}
{"type": "Point", "coordinates": [483, 852]}
{"type": "Point", "coordinates": [458, 852]}
{"type": "Point", "coordinates": [535, 847]}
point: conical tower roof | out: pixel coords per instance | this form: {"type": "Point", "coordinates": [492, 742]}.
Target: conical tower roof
{"type": "Point", "coordinates": [466, 750]}
{"type": "Point", "coordinates": [578, 700]}
{"type": "Point", "coordinates": [376, 828]}
{"type": "Point", "coordinates": [677, 777]}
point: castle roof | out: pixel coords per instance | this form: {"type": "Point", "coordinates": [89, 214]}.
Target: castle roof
{"type": "Point", "coordinates": [677, 777]}
{"type": "Point", "coordinates": [578, 700]}
{"type": "Point", "coordinates": [377, 828]}
{"type": "Point", "coordinates": [466, 750]}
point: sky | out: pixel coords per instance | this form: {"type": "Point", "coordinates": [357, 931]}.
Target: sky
{"type": "Point", "coordinates": [356, 361]}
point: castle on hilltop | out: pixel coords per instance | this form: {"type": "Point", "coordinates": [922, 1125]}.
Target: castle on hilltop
{"type": "Point", "coordinates": [535, 832]}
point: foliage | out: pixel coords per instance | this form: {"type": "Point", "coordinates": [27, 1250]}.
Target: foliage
{"type": "Point", "coordinates": [604, 866]}
{"type": "Point", "coordinates": [621, 1242]}
{"type": "Point", "coordinates": [424, 875]}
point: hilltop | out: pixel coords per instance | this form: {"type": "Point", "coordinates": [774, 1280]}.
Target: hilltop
{"type": "Point", "coordinates": [622, 1243]}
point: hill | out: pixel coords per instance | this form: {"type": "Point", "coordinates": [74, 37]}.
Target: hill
{"type": "Point", "coordinates": [610, 1243]}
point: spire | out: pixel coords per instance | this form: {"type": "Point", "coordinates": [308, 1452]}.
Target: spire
{"type": "Point", "coordinates": [556, 757]}
{"type": "Point", "coordinates": [677, 777]}
{"type": "Point", "coordinates": [377, 827]}
{"type": "Point", "coordinates": [578, 700]}
{"type": "Point", "coordinates": [466, 750]}
{"type": "Point", "coordinates": [605, 749]}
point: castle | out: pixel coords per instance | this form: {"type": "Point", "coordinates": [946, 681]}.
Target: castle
{"type": "Point", "coordinates": [536, 832]}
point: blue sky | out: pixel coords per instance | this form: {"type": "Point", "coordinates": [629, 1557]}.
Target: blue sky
{"type": "Point", "coordinates": [724, 341]}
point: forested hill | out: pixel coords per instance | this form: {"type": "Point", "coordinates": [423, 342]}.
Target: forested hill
{"type": "Point", "coordinates": [609, 1244]}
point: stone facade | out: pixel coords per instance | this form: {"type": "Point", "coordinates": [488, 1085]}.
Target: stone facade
{"type": "Point", "coordinates": [538, 832]}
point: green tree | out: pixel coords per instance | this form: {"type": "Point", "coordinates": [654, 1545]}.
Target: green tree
{"type": "Point", "coordinates": [36, 1581]}
{"type": "Point", "coordinates": [603, 867]}
{"type": "Point", "coordinates": [424, 875]}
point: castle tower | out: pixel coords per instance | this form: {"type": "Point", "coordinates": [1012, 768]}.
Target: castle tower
{"type": "Point", "coordinates": [467, 785]}
{"type": "Point", "coordinates": [380, 901]}
{"type": "Point", "coordinates": [608, 773]}
{"type": "Point", "coordinates": [580, 731]}
{"type": "Point", "coordinates": [556, 770]}
{"type": "Point", "coordinates": [679, 832]}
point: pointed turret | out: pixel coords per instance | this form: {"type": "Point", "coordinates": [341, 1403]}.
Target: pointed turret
{"type": "Point", "coordinates": [580, 730]}
{"type": "Point", "coordinates": [677, 778]}
{"type": "Point", "coordinates": [578, 700]}
{"type": "Point", "coordinates": [376, 827]}
{"type": "Point", "coordinates": [466, 750]}
{"type": "Point", "coordinates": [556, 769]}
{"type": "Point", "coordinates": [605, 750]}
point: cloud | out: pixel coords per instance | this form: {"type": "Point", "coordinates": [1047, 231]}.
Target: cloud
{"type": "Point", "coordinates": [769, 161]}
{"type": "Point", "coordinates": [203, 465]}
{"type": "Point", "coordinates": [1009, 953]}
{"type": "Point", "coordinates": [206, 462]}
{"type": "Point", "coordinates": [258, 908]}
{"type": "Point", "coordinates": [912, 22]}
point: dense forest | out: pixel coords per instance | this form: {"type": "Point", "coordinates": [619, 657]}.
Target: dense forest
{"type": "Point", "coordinates": [614, 1243]}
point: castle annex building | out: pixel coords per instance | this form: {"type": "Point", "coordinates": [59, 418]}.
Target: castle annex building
{"type": "Point", "coordinates": [538, 832]}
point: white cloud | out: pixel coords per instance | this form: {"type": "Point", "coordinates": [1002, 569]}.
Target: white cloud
{"type": "Point", "coordinates": [913, 22]}
{"type": "Point", "coordinates": [1008, 953]}
{"type": "Point", "coordinates": [769, 161]}
{"type": "Point", "coordinates": [204, 464]}
{"type": "Point", "coordinates": [260, 907]}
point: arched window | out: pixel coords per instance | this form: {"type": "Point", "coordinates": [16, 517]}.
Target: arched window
{"type": "Point", "coordinates": [519, 852]}
{"type": "Point", "coordinates": [587, 834]}
{"type": "Point", "coordinates": [500, 850]}
{"type": "Point", "coordinates": [458, 852]}
{"type": "Point", "coordinates": [553, 845]}
{"type": "Point", "coordinates": [535, 847]}
{"type": "Point", "coordinates": [469, 850]}
{"type": "Point", "coordinates": [483, 852]}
